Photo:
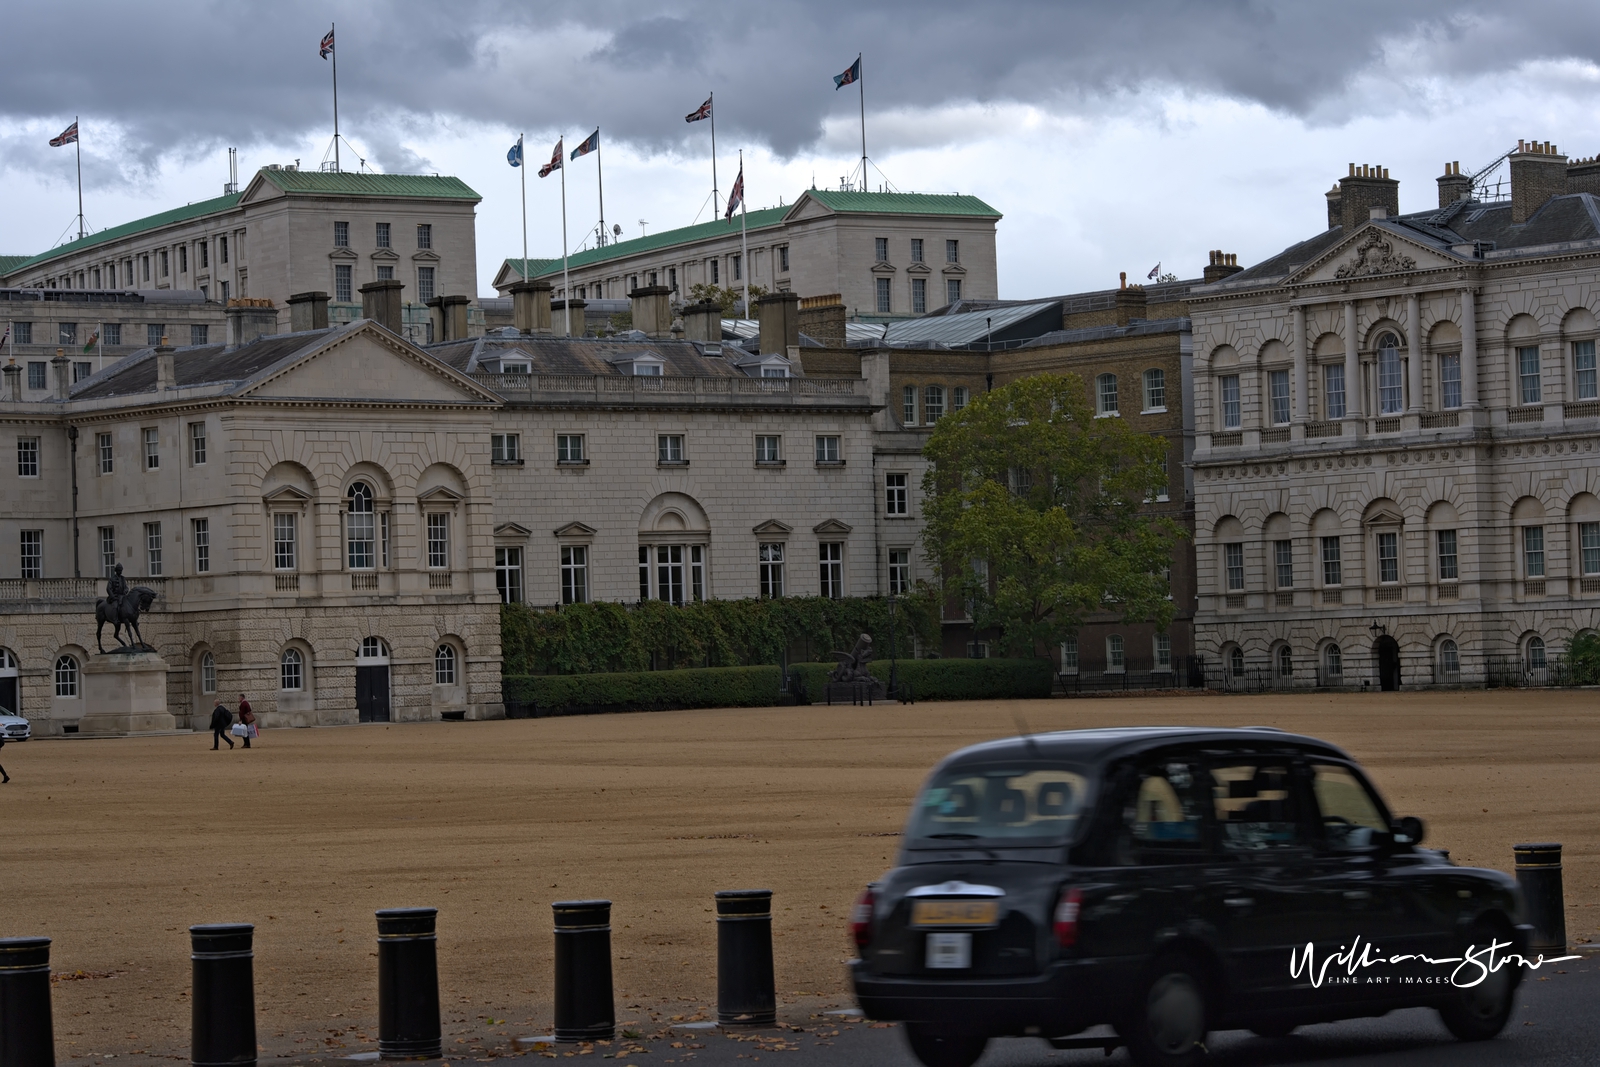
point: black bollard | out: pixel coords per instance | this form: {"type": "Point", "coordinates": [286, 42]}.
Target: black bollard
{"type": "Point", "coordinates": [408, 984]}
{"type": "Point", "coordinates": [585, 1010]}
{"type": "Point", "coordinates": [223, 1004]}
{"type": "Point", "coordinates": [1539, 875]}
{"type": "Point", "coordinates": [746, 993]}
{"type": "Point", "coordinates": [27, 1038]}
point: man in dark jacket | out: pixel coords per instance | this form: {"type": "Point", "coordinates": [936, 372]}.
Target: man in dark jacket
{"type": "Point", "coordinates": [221, 720]}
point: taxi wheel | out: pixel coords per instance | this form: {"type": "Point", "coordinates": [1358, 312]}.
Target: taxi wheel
{"type": "Point", "coordinates": [1168, 1024]}
{"type": "Point", "coordinates": [934, 1049]}
{"type": "Point", "coordinates": [1479, 1012]}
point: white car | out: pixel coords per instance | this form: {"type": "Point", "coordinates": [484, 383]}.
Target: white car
{"type": "Point", "coordinates": [14, 727]}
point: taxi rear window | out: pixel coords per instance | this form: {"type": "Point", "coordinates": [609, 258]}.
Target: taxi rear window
{"type": "Point", "coordinates": [1021, 804]}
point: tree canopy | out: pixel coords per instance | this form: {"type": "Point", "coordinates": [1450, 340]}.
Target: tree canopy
{"type": "Point", "coordinates": [1037, 513]}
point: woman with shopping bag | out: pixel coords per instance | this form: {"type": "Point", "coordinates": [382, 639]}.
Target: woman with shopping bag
{"type": "Point", "coordinates": [247, 719]}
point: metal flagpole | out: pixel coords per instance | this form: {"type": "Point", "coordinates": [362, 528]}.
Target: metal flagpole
{"type": "Point", "coordinates": [522, 159]}
{"type": "Point", "coordinates": [331, 28]}
{"type": "Point", "coordinates": [600, 172]}
{"type": "Point", "coordinates": [77, 143]}
{"type": "Point", "coordinates": [100, 343]}
{"type": "Point", "coordinates": [863, 90]}
{"type": "Point", "coordinates": [566, 280]}
{"type": "Point", "coordinates": [744, 240]}
{"type": "Point", "coordinates": [716, 207]}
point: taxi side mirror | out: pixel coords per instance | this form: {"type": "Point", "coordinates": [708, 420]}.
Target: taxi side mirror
{"type": "Point", "coordinates": [1408, 831]}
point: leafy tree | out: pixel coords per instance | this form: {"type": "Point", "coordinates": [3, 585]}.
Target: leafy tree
{"type": "Point", "coordinates": [1036, 513]}
{"type": "Point", "coordinates": [728, 298]}
{"type": "Point", "coordinates": [1583, 658]}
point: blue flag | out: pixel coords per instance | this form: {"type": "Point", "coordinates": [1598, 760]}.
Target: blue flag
{"type": "Point", "coordinates": [591, 143]}
{"type": "Point", "coordinates": [514, 157]}
{"type": "Point", "coordinates": [849, 77]}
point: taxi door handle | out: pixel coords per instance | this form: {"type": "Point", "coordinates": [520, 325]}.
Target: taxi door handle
{"type": "Point", "coordinates": [1239, 902]}
{"type": "Point", "coordinates": [1357, 894]}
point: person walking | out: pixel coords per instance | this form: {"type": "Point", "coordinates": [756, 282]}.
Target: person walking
{"type": "Point", "coordinates": [248, 718]}
{"type": "Point", "coordinates": [221, 719]}
{"type": "Point", "coordinates": [4, 777]}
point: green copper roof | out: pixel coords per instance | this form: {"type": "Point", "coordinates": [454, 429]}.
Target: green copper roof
{"type": "Point", "coordinates": [346, 184]}
{"type": "Point", "coordinates": [903, 203]}
{"type": "Point", "coordinates": [536, 266]}
{"type": "Point", "coordinates": [770, 216]}
{"type": "Point", "coordinates": [196, 210]}
{"type": "Point", "coordinates": [9, 263]}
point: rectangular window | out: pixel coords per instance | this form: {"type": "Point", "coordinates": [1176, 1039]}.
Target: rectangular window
{"type": "Point", "coordinates": [1333, 390]}
{"type": "Point", "coordinates": [1388, 558]}
{"type": "Point", "coordinates": [827, 448]}
{"type": "Point", "coordinates": [669, 448]}
{"type": "Point", "coordinates": [1069, 656]}
{"type": "Point", "coordinates": [1283, 560]}
{"type": "Point", "coordinates": [155, 334]}
{"type": "Point", "coordinates": [1583, 370]}
{"type": "Point", "coordinates": [152, 547]}
{"type": "Point", "coordinates": [205, 254]}
{"type": "Point", "coordinates": [1106, 402]}
{"type": "Point", "coordinates": [425, 284]}
{"type": "Point", "coordinates": [106, 452]}
{"type": "Point", "coordinates": [908, 404]}
{"type": "Point", "coordinates": [952, 251]}
{"type": "Point", "coordinates": [81, 370]}
{"type": "Point", "coordinates": [1450, 380]}
{"type": "Point", "coordinates": [198, 334]}
{"type": "Point", "coordinates": [508, 574]}
{"type": "Point", "coordinates": [899, 571]}
{"type": "Point", "coordinates": [672, 272]}
{"type": "Point", "coordinates": [1155, 389]}
{"type": "Point", "coordinates": [438, 541]}
{"type": "Point", "coordinates": [669, 573]}
{"type": "Point", "coordinates": [1446, 540]}
{"type": "Point", "coordinates": [738, 270]}
{"type": "Point", "coordinates": [197, 443]}
{"type": "Point", "coordinates": [1533, 551]}
{"type": "Point", "coordinates": [919, 296]}
{"type": "Point", "coordinates": [67, 333]}
{"type": "Point", "coordinates": [144, 265]}
{"type": "Point", "coordinates": [771, 557]}
{"type": "Point", "coordinates": [916, 250]}
{"type": "Point", "coordinates": [697, 571]}
{"type": "Point", "coordinates": [783, 263]}
{"type": "Point", "coordinates": [164, 262]}
{"type": "Point", "coordinates": [342, 289]}
{"type": "Point", "coordinates": [884, 291]}
{"type": "Point", "coordinates": [574, 574]}
{"type": "Point", "coordinates": [830, 555]}
{"type": "Point", "coordinates": [108, 549]}
{"type": "Point", "coordinates": [1589, 546]}
{"type": "Point", "coordinates": [152, 448]}
{"type": "Point", "coordinates": [1332, 567]}
{"type": "Point", "coordinates": [285, 539]}
{"type": "Point", "coordinates": [952, 290]}
{"type": "Point", "coordinates": [505, 448]}
{"type": "Point", "coordinates": [767, 449]}
{"type": "Point", "coordinates": [200, 530]}
{"type": "Point", "coordinates": [958, 398]}
{"type": "Point", "coordinates": [716, 271]}
{"type": "Point", "coordinates": [880, 247]}
{"type": "Point", "coordinates": [1163, 492]}
{"type": "Point", "coordinates": [22, 333]}
{"type": "Point", "coordinates": [1116, 659]}
{"type": "Point", "coordinates": [32, 553]}
{"type": "Point", "coordinates": [183, 259]}
{"type": "Point", "coordinates": [1163, 652]}
{"type": "Point", "coordinates": [1233, 560]}
{"type": "Point", "coordinates": [932, 404]}
{"type": "Point", "coordinates": [897, 499]}
{"type": "Point", "coordinates": [1391, 390]}
{"type": "Point", "coordinates": [27, 457]}
{"type": "Point", "coordinates": [1278, 388]}
{"type": "Point", "coordinates": [383, 537]}
{"type": "Point", "coordinates": [381, 234]}
{"type": "Point", "coordinates": [425, 235]}
{"type": "Point", "coordinates": [37, 378]}
{"type": "Point", "coordinates": [569, 448]}
{"type": "Point", "coordinates": [1528, 373]}
{"type": "Point", "coordinates": [644, 572]}
{"type": "Point", "coordinates": [1231, 414]}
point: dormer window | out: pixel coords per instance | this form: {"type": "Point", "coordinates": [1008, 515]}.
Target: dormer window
{"type": "Point", "coordinates": [515, 367]}
{"type": "Point", "coordinates": [644, 368]}
{"type": "Point", "coordinates": [774, 372]}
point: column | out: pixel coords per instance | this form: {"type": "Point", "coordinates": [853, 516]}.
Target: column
{"type": "Point", "coordinates": [1297, 350]}
{"type": "Point", "coordinates": [1352, 365]}
{"type": "Point", "coordinates": [1469, 350]}
{"type": "Point", "coordinates": [1414, 357]}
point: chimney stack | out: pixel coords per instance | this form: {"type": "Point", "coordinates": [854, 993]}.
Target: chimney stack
{"type": "Point", "coordinates": [780, 322]}
{"type": "Point", "coordinates": [530, 307]}
{"type": "Point", "coordinates": [652, 310]}
{"type": "Point", "coordinates": [1538, 172]}
{"type": "Point", "coordinates": [250, 318]}
{"type": "Point", "coordinates": [166, 367]}
{"type": "Point", "coordinates": [13, 381]}
{"type": "Point", "coordinates": [822, 319]}
{"type": "Point", "coordinates": [558, 317]}
{"type": "Point", "coordinates": [1222, 265]}
{"type": "Point", "coordinates": [1335, 211]}
{"type": "Point", "coordinates": [381, 302]}
{"type": "Point", "coordinates": [1453, 185]}
{"type": "Point", "coordinates": [449, 316]}
{"type": "Point", "coordinates": [62, 366]}
{"type": "Point", "coordinates": [1131, 303]}
{"type": "Point", "coordinates": [308, 311]}
{"type": "Point", "coordinates": [703, 322]}
{"type": "Point", "coordinates": [1366, 186]}
{"type": "Point", "coordinates": [1583, 176]}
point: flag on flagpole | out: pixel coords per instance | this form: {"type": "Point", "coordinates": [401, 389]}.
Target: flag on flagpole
{"type": "Point", "coordinates": [514, 157]}
{"type": "Point", "coordinates": [701, 112]}
{"type": "Point", "coordinates": [68, 136]}
{"type": "Point", "coordinates": [850, 76]}
{"type": "Point", "coordinates": [327, 45]}
{"type": "Point", "coordinates": [1153, 271]}
{"type": "Point", "coordinates": [94, 339]}
{"type": "Point", "coordinates": [589, 144]}
{"type": "Point", "coordinates": [555, 161]}
{"type": "Point", "coordinates": [736, 196]}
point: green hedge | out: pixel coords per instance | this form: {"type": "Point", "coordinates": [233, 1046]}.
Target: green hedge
{"type": "Point", "coordinates": [947, 679]}
{"type": "Point", "coordinates": [714, 687]}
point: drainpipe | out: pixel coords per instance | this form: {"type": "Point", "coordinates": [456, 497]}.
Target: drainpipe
{"type": "Point", "coordinates": [72, 437]}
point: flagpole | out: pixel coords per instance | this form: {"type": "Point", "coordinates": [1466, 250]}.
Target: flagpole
{"type": "Point", "coordinates": [77, 143]}
{"type": "Point", "coordinates": [744, 241]}
{"type": "Point", "coordinates": [335, 50]}
{"type": "Point", "coordinates": [600, 172]}
{"type": "Point", "coordinates": [861, 87]}
{"type": "Point", "coordinates": [522, 168]}
{"type": "Point", "coordinates": [566, 279]}
{"type": "Point", "coordinates": [716, 207]}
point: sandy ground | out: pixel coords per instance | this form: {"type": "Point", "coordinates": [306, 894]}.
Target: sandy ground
{"type": "Point", "coordinates": [114, 847]}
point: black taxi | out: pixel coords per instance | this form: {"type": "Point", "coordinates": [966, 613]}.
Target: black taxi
{"type": "Point", "coordinates": [1170, 882]}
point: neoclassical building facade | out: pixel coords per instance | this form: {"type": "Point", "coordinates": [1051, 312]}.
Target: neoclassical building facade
{"type": "Point", "coordinates": [1397, 454]}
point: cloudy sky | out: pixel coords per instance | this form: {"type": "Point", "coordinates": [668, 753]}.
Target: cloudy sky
{"type": "Point", "coordinates": [1111, 135]}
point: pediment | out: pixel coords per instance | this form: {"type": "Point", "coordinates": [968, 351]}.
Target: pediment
{"type": "Point", "coordinates": [385, 253]}
{"type": "Point", "coordinates": [881, 267]}
{"type": "Point", "coordinates": [287, 496]}
{"type": "Point", "coordinates": [772, 526]}
{"type": "Point", "coordinates": [807, 207]}
{"type": "Point", "coordinates": [365, 362]}
{"type": "Point", "coordinates": [831, 526]}
{"type": "Point", "coordinates": [440, 495]}
{"type": "Point", "coordinates": [919, 268]}
{"type": "Point", "coordinates": [953, 268]}
{"type": "Point", "coordinates": [512, 531]}
{"type": "Point", "coordinates": [1384, 516]}
{"type": "Point", "coordinates": [343, 254]}
{"type": "Point", "coordinates": [1372, 251]}
{"type": "Point", "coordinates": [425, 256]}
{"type": "Point", "coordinates": [574, 530]}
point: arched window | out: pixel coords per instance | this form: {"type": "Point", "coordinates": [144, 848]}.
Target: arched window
{"type": "Point", "coordinates": [291, 670]}
{"type": "Point", "coordinates": [67, 676]}
{"type": "Point", "coordinates": [444, 665]}
{"type": "Point", "coordinates": [1115, 660]}
{"type": "Point", "coordinates": [1105, 389]}
{"type": "Point", "coordinates": [1236, 662]}
{"type": "Point", "coordinates": [359, 523]}
{"type": "Point", "coordinates": [1536, 656]}
{"type": "Point", "coordinates": [1333, 661]}
{"type": "Point", "coordinates": [1391, 383]}
{"type": "Point", "coordinates": [1285, 662]}
{"type": "Point", "coordinates": [372, 648]}
{"type": "Point", "coordinates": [8, 662]}
{"type": "Point", "coordinates": [208, 673]}
{"type": "Point", "coordinates": [1449, 657]}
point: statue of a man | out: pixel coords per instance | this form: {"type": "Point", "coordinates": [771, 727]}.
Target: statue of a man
{"type": "Point", "coordinates": [116, 584]}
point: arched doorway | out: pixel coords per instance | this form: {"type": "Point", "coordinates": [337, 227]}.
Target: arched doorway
{"type": "Point", "coordinates": [10, 691]}
{"type": "Point", "coordinates": [372, 680]}
{"type": "Point", "coordinates": [1387, 649]}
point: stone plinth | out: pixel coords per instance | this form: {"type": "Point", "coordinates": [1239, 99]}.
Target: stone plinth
{"type": "Point", "coordinates": [123, 694]}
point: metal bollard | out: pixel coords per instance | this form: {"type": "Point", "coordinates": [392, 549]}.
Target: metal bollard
{"type": "Point", "coordinates": [1539, 875]}
{"type": "Point", "coordinates": [408, 984]}
{"type": "Point", "coordinates": [585, 1010]}
{"type": "Point", "coordinates": [27, 1038]}
{"type": "Point", "coordinates": [223, 1003]}
{"type": "Point", "coordinates": [746, 993]}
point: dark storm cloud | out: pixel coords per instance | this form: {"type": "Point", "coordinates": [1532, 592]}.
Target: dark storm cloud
{"type": "Point", "coordinates": [178, 80]}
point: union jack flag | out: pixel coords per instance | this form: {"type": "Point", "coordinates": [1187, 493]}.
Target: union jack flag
{"type": "Point", "coordinates": [327, 44]}
{"type": "Point", "coordinates": [555, 161]}
{"type": "Point", "coordinates": [736, 196]}
{"type": "Point", "coordinates": [701, 112]}
{"type": "Point", "coordinates": [68, 136]}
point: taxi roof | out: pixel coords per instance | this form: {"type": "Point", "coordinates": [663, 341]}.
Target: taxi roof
{"type": "Point", "coordinates": [1098, 746]}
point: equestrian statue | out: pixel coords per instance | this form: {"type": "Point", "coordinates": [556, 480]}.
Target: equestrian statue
{"type": "Point", "coordinates": [121, 607]}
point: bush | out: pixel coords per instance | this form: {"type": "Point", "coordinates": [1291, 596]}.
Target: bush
{"type": "Point", "coordinates": [1583, 658]}
{"type": "Point", "coordinates": [944, 679]}
{"type": "Point", "coordinates": [714, 687]}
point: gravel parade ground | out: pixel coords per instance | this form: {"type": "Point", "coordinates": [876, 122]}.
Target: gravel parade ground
{"type": "Point", "coordinates": [115, 847]}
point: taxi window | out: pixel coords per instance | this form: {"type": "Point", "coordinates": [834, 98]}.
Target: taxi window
{"type": "Point", "coordinates": [1350, 816]}
{"type": "Point", "coordinates": [1255, 806]}
{"type": "Point", "coordinates": [1029, 804]}
{"type": "Point", "coordinates": [1163, 815]}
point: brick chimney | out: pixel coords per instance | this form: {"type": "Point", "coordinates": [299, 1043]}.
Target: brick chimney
{"type": "Point", "coordinates": [62, 366]}
{"type": "Point", "coordinates": [249, 318]}
{"type": "Point", "coordinates": [1130, 301]}
{"type": "Point", "coordinates": [530, 307]}
{"type": "Point", "coordinates": [308, 311]}
{"type": "Point", "coordinates": [822, 319]}
{"type": "Point", "coordinates": [1222, 265]}
{"type": "Point", "coordinates": [166, 367]}
{"type": "Point", "coordinates": [1335, 214]}
{"type": "Point", "coordinates": [449, 315]}
{"type": "Point", "coordinates": [780, 322]}
{"type": "Point", "coordinates": [703, 322]}
{"type": "Point", "coordinates": [1583, 176]}
{"type": "Point", "coordinates": [1364, 188]}
{"type": "Point", "coordinates": [652, 310]}
{"type": "Point", "coordinates": [382, 303]}
{"type": "Point", "coordinates": [1538, 172]}
{"type": "Point", "coordinates": [1453, 185]}
{"type": "Point", "coordinates": [558, 317]}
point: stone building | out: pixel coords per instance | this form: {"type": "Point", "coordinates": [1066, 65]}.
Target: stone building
{"type": "Point", "coordinates": [1396, 438]}
{"type": "Point", "coordinates": [887, 255]}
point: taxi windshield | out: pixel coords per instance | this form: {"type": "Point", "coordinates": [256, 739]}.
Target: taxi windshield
{"type": "Point", "coordinates": [1020, 804]}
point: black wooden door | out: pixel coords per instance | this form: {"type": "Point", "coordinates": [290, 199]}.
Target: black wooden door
{"type": "Point", "coordinates": [8, 695]}
{"type": "Point", "coordinates": [1388, 664]}
{"type": "Point", "coordinates": [372, 693]}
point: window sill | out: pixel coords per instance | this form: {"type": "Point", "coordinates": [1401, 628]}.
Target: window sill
{"type": "Point", "coordinates": [772, 463]}
{"type": "Point", "coordinates": [1109, 415]}
{"type": "Point", "coordinates": [572, 463]}
{"type": "Point", "coordinates": [661, 463]}
{"type": "Point", "coordinates": [505, 462]}
{"type": "Point", "coordinates": [900, 518]}
{"type": "Point", "coordinates": [1153, 411]}
{"type": "Point", "coordinates": [830, 463]}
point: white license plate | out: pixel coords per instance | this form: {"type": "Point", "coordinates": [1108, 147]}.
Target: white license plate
{"type": "Point", "coordinates": [949, 952]}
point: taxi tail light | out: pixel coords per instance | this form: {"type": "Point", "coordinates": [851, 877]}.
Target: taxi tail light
{"type": "Point", "coordinates": [861, 917]}
{"type": "Point", "coordinates": [1068, 908]}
